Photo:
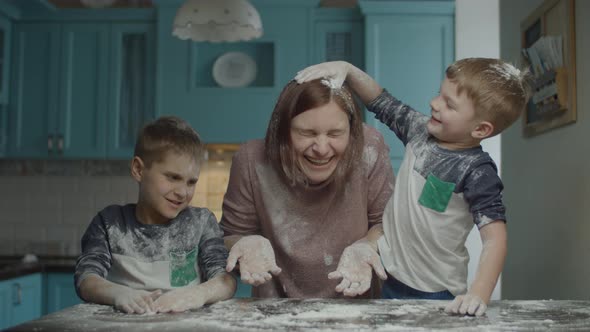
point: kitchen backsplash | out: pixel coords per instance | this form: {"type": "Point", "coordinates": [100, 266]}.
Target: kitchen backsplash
{"type": "Point", "coordinates": [47, 214]}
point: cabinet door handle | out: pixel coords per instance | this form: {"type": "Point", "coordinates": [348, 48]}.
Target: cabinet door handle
{"type": "Point", "coordinates": [49, 143]}
{"type": "Point", "coordinates": [60, 144]}
{"type": "Point", "coordinates": [17, 294]}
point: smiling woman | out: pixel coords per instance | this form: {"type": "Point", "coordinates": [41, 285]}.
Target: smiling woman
{"type": "Point", "coordinates": [303, 207]}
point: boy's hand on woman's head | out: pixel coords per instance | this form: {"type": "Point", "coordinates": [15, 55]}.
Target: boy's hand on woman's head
{"type": "Point", "coordinates": [335, 72]}
{"type": "Point", "coordinates": [468, 304]}
{"type": "Point", "coordinates": [356, 268]}
{"type": "Point", "coordinates": [135, 301]}
{"type": "Point", "coordinates": [256, 257]}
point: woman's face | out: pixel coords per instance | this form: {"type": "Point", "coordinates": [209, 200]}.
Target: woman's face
{"type": "Point", "coordinates": [320, 136]}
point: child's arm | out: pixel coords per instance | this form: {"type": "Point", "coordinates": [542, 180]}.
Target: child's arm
{"type": "Point", "coordinates": [339, 71]}
{"type": "Point", "coordinates": [491, 262]}
{"type": "Point", "coordinates": [221, 287]}
{"type": "Point", "coordinates": [96, 289]}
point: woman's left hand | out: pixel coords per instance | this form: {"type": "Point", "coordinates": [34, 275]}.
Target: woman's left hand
{"type": "Point", "coordinates": [355, 269]}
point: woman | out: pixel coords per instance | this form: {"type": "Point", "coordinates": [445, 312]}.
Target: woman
{"type": "Point", "coordinates": [305, 204]}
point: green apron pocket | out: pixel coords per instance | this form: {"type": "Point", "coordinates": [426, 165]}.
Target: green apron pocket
{"type": "Point", "coordinates": [436, 194]}
{"type": "Point", "coordinates": [183, 267]}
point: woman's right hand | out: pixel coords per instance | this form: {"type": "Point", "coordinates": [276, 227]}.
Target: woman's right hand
{"type": "Point", "coordinates": [256, 257]}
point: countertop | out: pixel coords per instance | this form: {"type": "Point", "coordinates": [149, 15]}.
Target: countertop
{"type": "Point", "coordinates": [324, 315]}
{"type": "Point", "coordinates": [13, 267]}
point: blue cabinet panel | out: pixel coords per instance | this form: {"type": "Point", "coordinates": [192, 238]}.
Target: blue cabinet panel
{"type": "Point", "coordinates": [83, 81]}
{"type": "Point", "coordinates": [339, 35]}
{"type": "Point", "coordinates": [5, 37]}
{"type": "Point", "coordinates": [72, 93]}
{"type": "Point", "coordinates": [20, 300]}
{"type": "Point", "coordinates": [27, 298]}
{"type": "Point", "coordinates": [5, 303]}
{"type": "Point", "coordinates": [408, 47]}
{"type": "Point", "coordinates": [243, 290]}
{"type": "Point", "coordinates": [131, 87]}
{"type": "Point", "coordinates": [60, 292]}
{"type": "Point", "coordinates": [32, 112]}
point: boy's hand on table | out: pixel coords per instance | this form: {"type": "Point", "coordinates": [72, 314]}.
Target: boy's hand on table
{"type": "Point", "coordinates": [134, 301]}
{"type": "Point", "coordinates": [180, 299]}
{"type": "Point", "coordinates": [468, 304]}
{"type": "Point", "coordinates": [334, 71]}
{"type": "Point", "coordinates": [356, 267]}
{"type": "Point", "coordinates": [256, 257]}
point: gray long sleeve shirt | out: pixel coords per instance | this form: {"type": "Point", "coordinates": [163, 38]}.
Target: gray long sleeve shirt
{"type": "Point", "coordinates": [439, 195]}
{"type": "Point", "coordinates": [117, 247]}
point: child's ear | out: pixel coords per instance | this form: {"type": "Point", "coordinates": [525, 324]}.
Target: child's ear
{"type": "Point", "coordinates": [483, 130]}
{"type": "Point", "coordinates": [137, 167]}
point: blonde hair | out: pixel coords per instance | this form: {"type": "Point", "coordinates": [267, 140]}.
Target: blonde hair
{"type": "Point", "coordinates": [498, 90]}
{"type": "Point", "coordinates": [167, 134]}
{"type": "Point", "coordinates": [296, 99]}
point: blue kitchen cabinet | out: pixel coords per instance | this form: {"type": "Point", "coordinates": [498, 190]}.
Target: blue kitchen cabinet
{"type": "Point", "coordinates": [5, 37]}
{"type": "Point", "coordinates": [339, 35]}
{"type": "Point", "coordinates": [32, 111]}
{"type": "Point", "coordinates": [59, 103]}
{"type": "Point", "coordinates": [243, 290]}
{"type": "Point", "coordinates": [59, 292]}
{"type": "Point", "coordinates": [408, 45]}
{"type": "Point", "coordinates": [131, 92]}
{"type": "Point", "coordinates": [87, 86]}
{"type": "Point", "coordinates": [5, 304]}
{"type": "Point", "coordinates": [20, 300]}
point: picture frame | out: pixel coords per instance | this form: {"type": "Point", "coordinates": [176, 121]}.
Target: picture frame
{"type": "Point", "coordinates": [553, 103]}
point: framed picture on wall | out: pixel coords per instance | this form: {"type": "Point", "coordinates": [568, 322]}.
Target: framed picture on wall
{"type": "Point", "coordinates": [549, 47]}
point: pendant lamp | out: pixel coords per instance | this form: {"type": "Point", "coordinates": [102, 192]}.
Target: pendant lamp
{"type": "Point", "coordinates": [217, 21]}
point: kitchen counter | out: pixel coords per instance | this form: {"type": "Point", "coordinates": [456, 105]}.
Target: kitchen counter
{"type": "Point", "coordinates": [12, 266]}
{"type": "Point", "coordinates": [323, 315]}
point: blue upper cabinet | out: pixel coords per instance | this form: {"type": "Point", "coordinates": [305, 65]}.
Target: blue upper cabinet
{"type": "Point", "coordinates": [34, 102]}
{"type": "Point", "coordinates": [408, 45]}
{"type": "Point", "coordinates": [5, 37]}
{"type": "Point", "coordinates": [131, 92]}
{"type": "Point", "coordinates": [82, 106]}
{"type": "Point", "coordinates": [339, 35]}
{"type": "Point", "coordinates": [80, 90]}
{"type": "Point", "coordinates": [59, 92]}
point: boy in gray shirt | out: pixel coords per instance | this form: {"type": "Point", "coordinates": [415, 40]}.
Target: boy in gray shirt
{"type": "Point", "coordinates": [159, 255]}
{"type": "Point", "coordinates": [446, 182]}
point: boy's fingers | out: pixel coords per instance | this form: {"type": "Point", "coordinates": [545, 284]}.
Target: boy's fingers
{"type": "Point", "coordinates": [156, 294]}
{"type": "Point", "coordinates": [481, 310]}
{"type": "Point", "coordinates": [135, 308]}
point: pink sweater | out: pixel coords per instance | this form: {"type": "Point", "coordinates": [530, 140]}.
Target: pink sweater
{"type": "Point", "coordinates": [308, 228]}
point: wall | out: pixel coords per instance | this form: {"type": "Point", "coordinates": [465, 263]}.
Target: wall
{"type": "Point", "coordinates": [547, 184]}
{"type": "Point", "coordinates": [477, 21]}
{"type": "Point", "coordinates": [48, 214]}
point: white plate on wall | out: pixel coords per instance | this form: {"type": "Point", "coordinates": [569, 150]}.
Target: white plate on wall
{"type": "Point", "coordinates": [234, 70]}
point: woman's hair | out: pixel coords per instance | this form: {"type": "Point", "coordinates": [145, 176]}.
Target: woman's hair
{"type": "Point", "coordinates": [167, 134]}
{"type": "Point", "coordinates": [296, 99]}
{"type": "Point", "coordinates": [498, 90]}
